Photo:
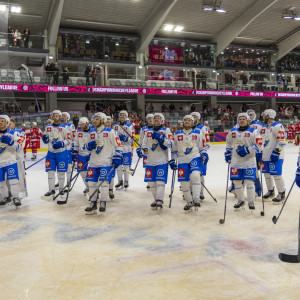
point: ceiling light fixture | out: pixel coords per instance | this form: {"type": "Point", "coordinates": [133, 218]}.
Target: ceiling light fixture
{"type": "Point", "coordinates": [15, 9]}
{"type": "Point", "coordinates": [168, 27]}
{"type": "Point", "coordinates": [288, 14]}
{"type": "Point", "coordinates": [178, 28]}
{"type": "Point", "coordinates": [2, 7]}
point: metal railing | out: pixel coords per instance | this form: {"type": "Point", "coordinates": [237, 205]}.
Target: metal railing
{"type": "Point", "coordinates": [32, 41]}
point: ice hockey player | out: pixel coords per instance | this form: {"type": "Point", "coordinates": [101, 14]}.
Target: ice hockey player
{"type": "Point", "coordinates": [291, 132]}
{"type": "Point", "coordinates": [58, 138]}
{"type": "Point", "coordinates": [156, 144]}
{"type": "Point", "coordinates": [106, 153]}
{"type": "Point", "coordinates": [34, 134]}
{"type": "Point", "coordinates": [273, 155]}
{"type": "Point", "coordinates": [80, 152]}
{"type": "Point", "coordinates": [242, 144]}
{"type": "Point", "coordinates": [189, 150]}
{"type": "Point", "coordinates": [108, 124]}
{"type": "Point", "coordinates": [126, 139]}
{"type": "Point", "coordinates": [149, 120]}
{"type": "Point", "coordinates": [297, 133]}
{"type": "Point", "coordinates": [204, 130]}
{"type": "Point", "coordinates": [8, 163]}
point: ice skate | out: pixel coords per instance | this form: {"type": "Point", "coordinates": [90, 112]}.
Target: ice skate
{"type": "Point", "coordinates": [102, 207]}
{"type": "Point", "coordinates": [148, 188]}
{"type": "Point", "coordinates": [251, 206]}
{"type": "Point", "coordinates": [86, 191]}
{"type": "Point", "coordinates": [33, 157]}
{"type": "Point", "coordinates": [196, 204]}
{"type": "Point", "coordinates": [57, 185]}
{"type": "Point", "coordinates": [49, 195]}
{"type": "Point", "coordinates": [111, 194]}
{"type": "Point", "coordinates": [269, 194]}
{"type": "Point", "coordinates": [16, 201]}
{"type": "Point", "coordinates": [92, 208]}
{"type": "Point", "coordinates": [279, 198]}
{"type": "Point", "coordinates": [126, 184]}
{"type": "Point", "coordinates": [6, 200]}
{"type": "Point", "coordinates": [159, 204]}
{"type": "Point", "coordinates": [202, 196]}
{"type": "Point", "coordinates": [119, 184]}
{"type": "Point", "coordinates": [188, 206]}
{"type": "Point", "coordinates": [239, 204]}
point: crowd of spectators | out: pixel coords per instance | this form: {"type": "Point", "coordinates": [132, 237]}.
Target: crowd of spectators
{"type": "Point", "coordinates": [200, 56]}
{"type": "Point", "coordinates": [288, 111]}
{"type": "Point", "coordinates": [290, 62]}
{"type": "Point", "coordinates": [15, 37]}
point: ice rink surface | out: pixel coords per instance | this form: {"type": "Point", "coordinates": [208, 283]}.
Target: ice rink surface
{"type": "Point", "coordinates": [132, 252]}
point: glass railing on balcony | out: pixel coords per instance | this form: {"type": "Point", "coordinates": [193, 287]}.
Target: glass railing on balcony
{"type": "Point", "coordinates": [20, 40]}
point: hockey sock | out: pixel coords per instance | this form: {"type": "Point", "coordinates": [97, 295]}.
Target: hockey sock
{"type": "Point", "coordinates": [3, 190]}
{"type": "Point", "coordinates": [69, 171]}
{"type": "Point", "coordinates": [92, 189]}
{"type": "Point", "coordinates": [34, 151]}
{"type": "Point", "coordinates": [250, 190]}
{"type": "Point", "coordinates": [160, 190]}
{"type": "Point", "coordinates": [14, 187]}
{"type": "Point", "coordinates": [112, 184]}
{"type": "Point", "coordinates": [153, 189]}
{"type": "Point", "coordinates": [104, 191]}
{"type": "Point", "coordinates": [126, 173]}
{"type": "Point", "coordinates": [83, 176]}
{"type": "Point", "coordinates": [51, 180]}
{"type": "Point", "coordinates": [195, 179]}
{"type": "Point", "coordinates": [61, 179]}
{"type": "Point", "coordinates": [120, 173]}
{"type": "Point", "coordinates": [269, 181]}
{"type": "Point", "coordinates": [185, 186]}
{"type": "Point", "coordinates": [201, 186]}
{"type": "Point", "coordinates": [239, 190]}
{"type": "Point", "coordinates": [279, 182]}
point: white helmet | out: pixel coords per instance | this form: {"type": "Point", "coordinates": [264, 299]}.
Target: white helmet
{"type": "Point", "coordinates": [67, 115]}
{"type": "Point", "coordinates": [161, 117]}
{"type": "Point", "coordinates": [23, 125]}
{"type": "Point", "coordinates": [123, 112]}
{"type": "Point", "coordinates": [101, 115]}
{"type": "Point", "coordinates": [83, 120]}
{"type": "Point", "coordinates": [149, 116]}
{"type": "Point", "coordinates": [34, 123]}
{"type": "Point", "coordinates": [190, 117]}
{"type": "Point", "coordinates": [252, 112]}
{"type": "Point", "coordinates": [291, 122]}
{"type": "Point", "coordinates": [57, 112]}
{"type": "Point", "coordinates": [270, 112]}
{"type": "Point", "coordinates": [7, 119]}
{"type": "Point", "coordinates": [108, 118]}
{"type": "Point", "coordinates": [196, 114]}
{"type": "Point", "coordinates": [245, 115]}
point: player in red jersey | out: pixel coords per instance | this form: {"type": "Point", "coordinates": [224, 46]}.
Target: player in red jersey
{"type": "Point", "coordinates": [34, 134]}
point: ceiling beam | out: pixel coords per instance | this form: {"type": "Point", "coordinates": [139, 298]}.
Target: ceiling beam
{"type": "Point", "coordinates": [288, 44]}
{"type": "Point", "coordinates": [229, 33]}
{"type": "Point", "coordinates": [153, 23]}
{"type": "Point", "coordinates": [54, 21]}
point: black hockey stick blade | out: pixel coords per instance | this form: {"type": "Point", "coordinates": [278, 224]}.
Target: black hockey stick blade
{"type": "Point", "coordinates": [221, 221]}
{"type": "Point", "coordinates": [294, 259]}
{"type": "Point", "coordinates": [61, 202]}
{"type": "Point", "coordinates": [274, 219]}
{"type": "Point", "coordinates": [262, 213]}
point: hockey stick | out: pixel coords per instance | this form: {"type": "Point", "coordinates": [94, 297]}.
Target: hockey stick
{"type": "Point", "coordinates": [35, 163]}
{"type": "Point", "coordinates": [209, 191]}
{"type": "Point", "coordinates": [97, 190]}
{"type": "Point", "coordinates": [222, 221]}
{"type": "Point", "coordinates": [292, 258]}
{"type": "Point", "coordinates": [60, 202]}
{"type": "Point", "coordinates": [172, 188]}
{"type": "Point", "coordinates": [134, 140]}
{"type": "Point", "coordinates": [135, 166]}
{"type": "Point", "coordinates": [262, 213]}
{"type": "Point", "coordinates": [274, 219]}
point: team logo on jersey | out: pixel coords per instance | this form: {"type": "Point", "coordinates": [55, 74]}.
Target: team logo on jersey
{"type": "Point", "coordinates": [80, 165]}
{"type": "Point", "coordinates": [193, 163]}
{"type": "Point", "coordinates": [48, 129]}
{"type": "Point", "coordinates": [188, 150]}
{"type": "Point", "coordinates": [105, 134]}
{"type": "Point", "coordinates": [125, 159]}
{"type": "Point", "coordinates": [118, 141]}
{"type": "Point", "coordinates": [11, 171]}
{"type": "Point", "coordinates": [272, 167]}
{"type": "Point", "coordinates": [61, 165]}
{"type": "Point", "coordinates": [116, 128]}
{"type": "Point", "coordinates": [48, 164]}
{"type": "Point", "coordinates": [180, 138]}
{"type": "Point", "coordinates": [266, 143]}
{"type": "Point", "coordinates": [103, 172]}
{"type": "Point", "coordinates": [149, 134]}
{"type": "Point", "coordinates": [90, 173]}
{"type": "Point", "coordinates": [93, 136]}
{"type": "Point", "coordinates": [160, 172]}
{"type": "Point", "coordinates": [233, 135]}
{"type": "Point", "coordinates": [148, 173]}
{"type": "Point", "coordinates": [249, 171]}
{"type": "Point", "coordinates": [154, 147]}
{"type": "Point", "coordinates": [80, 135]}
{"type": "Point", "coordinates": [99, 148]}
{"type": "Point", "coordinates": [259, 141]}
{"type": "Point", "coordinates": [181, 173]}
{"type": "Point", "coordinates": [234, 171]}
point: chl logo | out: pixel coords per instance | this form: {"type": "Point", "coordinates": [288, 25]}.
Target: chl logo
{"type": "Point", "coordinates": [103, 172]}
{"type": "Point", "coordinates": [148, 173]}
{"type": "Point", "coordinates": [160, 172]}
{"type": "Point", "coordinates": [11, 171]}
{"type": "Point", "coordinates": [181, 172]}
{"type": "Point", "coordinates": [61, 165]}
{"type": "Point", "coordinates": [249, 171]}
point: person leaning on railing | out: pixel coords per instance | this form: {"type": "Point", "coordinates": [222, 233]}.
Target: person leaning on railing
{"type": "Point", "coordinates": [26, 34]}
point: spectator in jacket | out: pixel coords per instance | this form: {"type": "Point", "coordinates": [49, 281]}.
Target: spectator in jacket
{"type": "Point", "coordinates": [26, 34]}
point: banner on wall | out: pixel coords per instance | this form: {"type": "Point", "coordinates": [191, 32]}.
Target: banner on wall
{"type": "Point", "coordinates": [143, 91]}
{"type": "Point", "coordinates": [220, 136]}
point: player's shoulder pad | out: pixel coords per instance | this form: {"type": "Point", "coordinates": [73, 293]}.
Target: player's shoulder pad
{"type": "Point", "coordinates": [196, 130]}
{"type": "Point", "coordinates": [92, 130]}
{"type": "Point", "coordinates": [107, 129]}
{"type": "Point", "coordinates": [233, 129]}
{"type": "Point", "coordinates": [250, 129]}
{"type": "Point", "coordinates": [48, 125]}
{"type": "Point", "coordinates": [144, 128]}
{"type": "Point", "coordinates": [178, 132]}
{"type": "Point", "coordinates": [62, 125]}
{"type": "Point", "coordinates": [200, 126]}
{"type": "Point", "coordinates": [128, 124]}
{"type": "Point", "coordinates": [11, 131]}
{"type": "Point", "coordinates": [79, 130]}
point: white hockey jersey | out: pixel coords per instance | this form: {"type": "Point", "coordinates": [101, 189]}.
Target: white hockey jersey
{"type": "Point", "coordinates": [58, 134]}
{"type": "Point", "coordinates": [71, 128]}
{"type": "Point", "coordinates": [188, 146]}
{"type": "Point", "coordinates": [8, 154]}
{"type": "Point", "coordinates": [257, 125]}
{"type": "Point", "coordinates": [156, 155]}
{"type": "Point", "coordinates": [20, 137]}
{"type": "Point", "coordinates": [142, 133]}
{"type": "Point", "coordinates": [249, 138]}
{"type": "Point", "coordinates": [205, 133]}
{"type": "Point", "coordinates": [273, 137]}
{"type": "Point", "coordinates": [127, 146]}
{"type": "Point", "coordinates": [81, 141]}
{"type": "Point", "coordinates": [108, 145]}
